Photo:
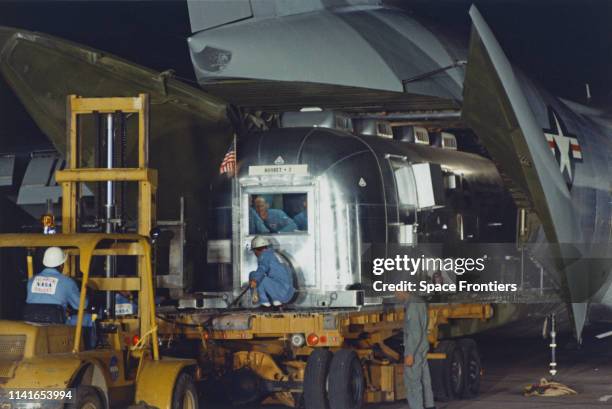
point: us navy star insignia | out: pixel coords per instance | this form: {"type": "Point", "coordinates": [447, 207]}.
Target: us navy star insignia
{"type": "Point", "coordinates": [564, 146]}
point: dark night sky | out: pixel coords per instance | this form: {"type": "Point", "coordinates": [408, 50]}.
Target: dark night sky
{"type": "Point", "coordinates": [560, 43]}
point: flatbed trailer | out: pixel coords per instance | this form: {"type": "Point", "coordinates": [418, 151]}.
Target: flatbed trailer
{"type": "Point", "coordinates": [309, 358]}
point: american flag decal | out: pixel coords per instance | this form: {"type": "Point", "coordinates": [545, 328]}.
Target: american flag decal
{"type": "Point", "coordinates": [228, 165]}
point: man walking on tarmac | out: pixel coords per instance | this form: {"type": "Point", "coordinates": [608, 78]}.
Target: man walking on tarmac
{"type": "Point", "coordinates": [416, 369]}
{"type": "Point", "coordinates": [272, 280]}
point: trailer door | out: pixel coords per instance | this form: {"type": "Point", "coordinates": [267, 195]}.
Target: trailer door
{"type": "Point", "coordinates": [284, 215]}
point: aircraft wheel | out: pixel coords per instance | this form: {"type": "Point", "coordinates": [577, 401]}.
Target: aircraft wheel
{"type": "Point", "coordinates": [346, 381]}
{"type": "Point", "coordinates": [87, 398]}
{"type": "Point", "coordinates": [315, 379]}
{"type": "Point", "coordinates": [473, 367]}
{"type": "Point", "coordinates": [185, 395]}
{"type": "Point", "coordinates": [448, 375]}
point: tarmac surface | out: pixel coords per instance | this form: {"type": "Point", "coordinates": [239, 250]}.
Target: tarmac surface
{"type": "Point", "coordinates": [511, 364]}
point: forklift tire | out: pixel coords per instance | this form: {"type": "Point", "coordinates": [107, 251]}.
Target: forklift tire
{"type": "Point", "coordinates": [87, 398]}
{"type": "Point", "coordinates": [315, 379]}
{"type": "Point", "coordinates": [473, 368]}
{"type": "Point", "coordinates": [346, 381]}
{"type": "Point", "coordinates": [185, 395]}
{"type": "Point", "coordinates": [448, 375]}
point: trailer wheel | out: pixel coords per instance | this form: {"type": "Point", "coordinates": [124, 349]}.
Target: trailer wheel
{"type": "Point", "coordinates": [185, 395]}
{"type": "Point", "coordinates": [448, 374]}
{"type": "Point", "coordinates": [436, 370]}
{"type": "Point", "coordinates": [473, 367]}
{"type": "Point", "coordinates": [298, 398]}
{"type": "Point", "coordinates": [86, 398]}
{"type": "Point", "coordinates": [346, 381]}
{"type": "Point", "coordinates": [315, 379]}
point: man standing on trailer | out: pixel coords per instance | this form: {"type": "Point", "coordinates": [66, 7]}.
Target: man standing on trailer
{"type": "Point", "coordinates": [272, 280]}
{"type": "Point", "coordinates": [416, 345]}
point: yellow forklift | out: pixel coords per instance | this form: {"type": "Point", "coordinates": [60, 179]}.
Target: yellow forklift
{"type": "Point", "coordinates": [47, 365]}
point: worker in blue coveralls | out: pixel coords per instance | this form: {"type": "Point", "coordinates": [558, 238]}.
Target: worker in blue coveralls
{"type": "Point", "coordinates": [417, 378]}
{"type": "Point", "coordinates": [51, 287]}
{"type": "Point", "coordinates": [275, 220]}
{"type": "Point", "coordinates": [301, 219]}
{"type": "Point", "coordinates": [272, 280]}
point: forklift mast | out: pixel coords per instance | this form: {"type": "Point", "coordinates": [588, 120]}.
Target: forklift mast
{"type": "Point", "coordinates": [113, 112]}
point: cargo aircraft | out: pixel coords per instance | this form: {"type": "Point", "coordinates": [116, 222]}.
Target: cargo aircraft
{"type": "Point", "coordinates": [370, 62]}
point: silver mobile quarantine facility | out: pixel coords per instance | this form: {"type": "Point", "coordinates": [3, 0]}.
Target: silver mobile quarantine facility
{"type": "Point", "coordinates": [336, 200]}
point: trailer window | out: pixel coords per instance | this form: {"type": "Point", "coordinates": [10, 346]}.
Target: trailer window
{"type": "Point", "coordinates": [406, 190]}
{"type": "Point", "coordinates": [406, 193]}
{"type": "Point", "coordinates": [278, 213]}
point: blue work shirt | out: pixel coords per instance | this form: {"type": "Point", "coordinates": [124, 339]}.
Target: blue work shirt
{"type": "Point", "coordinates": [268, 266]}
{"type": "Point", "coordinates": [256, 225]}
{"type": "Point", "coordinates": [52, 287]}
{"type": "Point", "coordinates": [279, 222]}
{"type": "Point", "coordinates": [301, 220]}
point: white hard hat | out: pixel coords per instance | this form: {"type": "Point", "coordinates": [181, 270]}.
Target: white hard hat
{"type": "Point", "coordinates": [54, 256]}
{"type": "Point", "coordinates": [259, 241]}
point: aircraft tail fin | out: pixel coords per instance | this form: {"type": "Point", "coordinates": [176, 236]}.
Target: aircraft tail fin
{"type": "Point", "coordinates": [497, 109]}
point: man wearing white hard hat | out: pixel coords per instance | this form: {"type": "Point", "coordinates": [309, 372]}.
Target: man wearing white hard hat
{"type": "Point", "coordinates": [51, 288]}
{"type": "Point", "coordinates": [272, 280]}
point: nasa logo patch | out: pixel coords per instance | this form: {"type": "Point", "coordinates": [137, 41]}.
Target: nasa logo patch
{"type": "Point", "coordinates": [44, 285]}
{"type": "Point", "coordinates": [124, 309]}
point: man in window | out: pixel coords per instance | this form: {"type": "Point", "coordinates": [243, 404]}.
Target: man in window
{"type": "Point", "coordinates": [274, 220]}
{"type": "Point", "coordinates": [256, 225]}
